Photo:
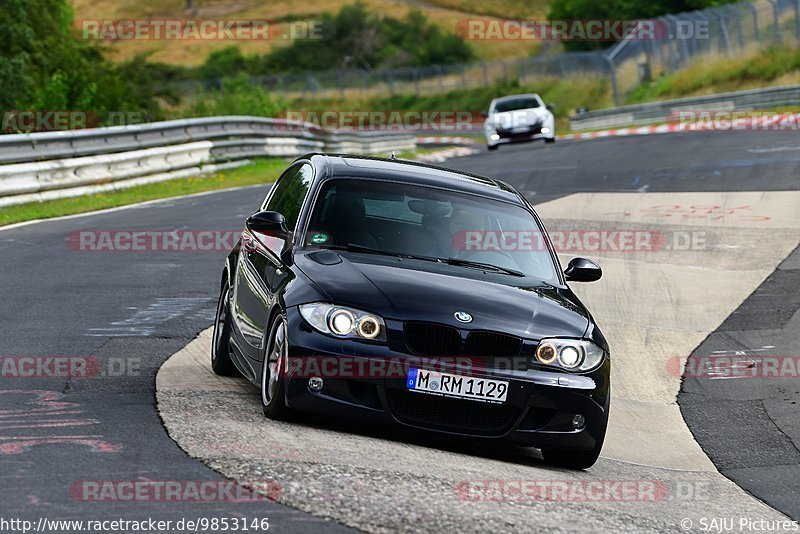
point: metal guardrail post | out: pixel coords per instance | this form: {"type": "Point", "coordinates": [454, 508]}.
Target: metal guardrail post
{"type": "Point", "coordinates": [738, 15]}
{"type": "Point", "coordinates": [796, 10]}
{"type": "Point", "coordinates": [724, 39]}
{"type": "Point", "coordinates": [683, 48]}
{"type": "Point", "coordinates": [796, 7]}
{"type": "Point", "coordinates": [614, 86]}
{"type": "Point", "coordinates": [776, 18]}
{"type": "Point", "coordinates": [755, 21]}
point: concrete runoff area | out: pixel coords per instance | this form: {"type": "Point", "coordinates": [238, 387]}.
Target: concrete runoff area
{"type": "Point", "coordinates": [655, 305]}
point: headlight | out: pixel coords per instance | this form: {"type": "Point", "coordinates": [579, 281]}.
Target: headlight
{"type": "Point", "coordinates": [340, 321]}
{"type": "Point", "coordinates": [570, 354]}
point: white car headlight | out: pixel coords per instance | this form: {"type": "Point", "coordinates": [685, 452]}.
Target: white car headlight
{"type": "Point", "coordinates": [343, 322]}
{"type": "Point", "coordinates": [572, 354]}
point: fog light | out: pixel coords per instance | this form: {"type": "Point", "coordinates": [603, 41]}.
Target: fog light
{"type": "Point", "coordinates": [578, 421]}
{"type": "Point", "coordinates": [494, 137]}
{"type": "Point", "coordinates": [545, 129]}
{"type": "Point", "coordinates": [315, 384]}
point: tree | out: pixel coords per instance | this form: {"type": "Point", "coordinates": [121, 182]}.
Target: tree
{"type": "Point", "coordinates": [44, 66]}
{"type": "Point", "coordinates": [357, 38]}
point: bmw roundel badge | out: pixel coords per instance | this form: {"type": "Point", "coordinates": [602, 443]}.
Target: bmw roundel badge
{"type": "Point", "coordinates": [463, 317]}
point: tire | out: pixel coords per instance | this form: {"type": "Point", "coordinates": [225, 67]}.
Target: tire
{"type": "Point", "coordinates": [549, 139]}
{"type": "Point", "coordinates": [491, 147]}
{"type": "Point", "coordinates": [221, 362]}
{"type": "Point", "coordinates": [572, 459]}
{"type": "Point", "coordinates": [273, 382]}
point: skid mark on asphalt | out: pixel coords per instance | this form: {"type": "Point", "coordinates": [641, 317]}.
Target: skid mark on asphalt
{"type": "Point", "coordinates": [45, 409]}
{"type": "Point", "coordinates": [146, 322]}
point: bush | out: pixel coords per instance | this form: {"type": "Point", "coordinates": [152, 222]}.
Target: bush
{"type": "Point", "coordinates": [356, 38]}
{"type": "Point", "coordinates": [43, 67]}
{"type": "Point", "coordinates": [238, 96]}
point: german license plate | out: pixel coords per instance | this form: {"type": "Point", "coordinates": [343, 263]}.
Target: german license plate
{"type": "Point", "coordinates": [465, 387]}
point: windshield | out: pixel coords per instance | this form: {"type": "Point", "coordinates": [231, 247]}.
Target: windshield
{"type": "Point", "coordinates": [514, 104]}
{"type": "Point", "coordinates": [438, 225]}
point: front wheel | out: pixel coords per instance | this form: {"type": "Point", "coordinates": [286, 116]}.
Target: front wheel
{"type": "Point", "coordinates": [273, 381]}
{"type": "Point", "coordinates": [549, 139]}
{"type": "Point", "coordinates": [221, 362]}
{"type": "Point", "coordinates": [491, 147]}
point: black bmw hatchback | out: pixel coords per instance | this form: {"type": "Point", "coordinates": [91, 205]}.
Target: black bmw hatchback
{"type": "Point", "coordinates": [397, 292]}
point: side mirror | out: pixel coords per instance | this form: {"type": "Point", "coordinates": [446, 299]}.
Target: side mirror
{"type": "Point", "coordinates": [268, 223]}
{"type": "Point", "coordinates": [583, 270]}
{"type": "Point", "coordinates": [550, 106]}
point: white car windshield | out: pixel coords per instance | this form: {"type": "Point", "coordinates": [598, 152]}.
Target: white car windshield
{"type": "Point", "coordinates": [514, 104]}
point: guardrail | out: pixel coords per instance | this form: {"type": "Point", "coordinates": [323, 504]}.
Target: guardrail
{"type": "Point", "coordinates": [44, 166]}
{"type": "Point", "coordinates": [655, 112]}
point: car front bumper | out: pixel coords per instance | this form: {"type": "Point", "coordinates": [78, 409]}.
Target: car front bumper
{"type": "Point", "coordinates": [370, 386]}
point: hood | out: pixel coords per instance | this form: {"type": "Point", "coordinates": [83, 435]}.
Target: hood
{"type": "Point", "coordinates": [403, 289]}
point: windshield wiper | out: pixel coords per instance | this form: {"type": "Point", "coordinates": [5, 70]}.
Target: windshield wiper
{"type": "Point", "coordinates": [353, 247]}
{"type": "Point", "coordinates": [478, 265]}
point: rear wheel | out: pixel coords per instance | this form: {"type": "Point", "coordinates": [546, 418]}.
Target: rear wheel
{"type": "Point", "coordinates": [273, 381]}
{"type": "Point", "coordinates": [221, 361]}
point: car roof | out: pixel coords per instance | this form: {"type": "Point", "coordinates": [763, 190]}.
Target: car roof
{"type": "Point", "coordinates": [345, 165]}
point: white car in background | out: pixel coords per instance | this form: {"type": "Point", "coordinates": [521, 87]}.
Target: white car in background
{"type": "Point", "coordinates": [518, 118]}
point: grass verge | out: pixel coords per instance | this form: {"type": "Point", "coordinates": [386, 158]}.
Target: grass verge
{"type": "Point", "coordinates": [259, 172]}
{"type": "Point", "coordinates": [712, 75]}
{"type": "Point", "coordinates": [566, 94]}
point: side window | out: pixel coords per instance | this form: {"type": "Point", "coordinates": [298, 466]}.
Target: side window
{"type": "Point", "coordinates": [291, 189]}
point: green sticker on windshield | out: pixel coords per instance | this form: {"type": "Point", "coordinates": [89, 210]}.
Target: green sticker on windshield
{"type": "Point", "coordinates": [319, 238]}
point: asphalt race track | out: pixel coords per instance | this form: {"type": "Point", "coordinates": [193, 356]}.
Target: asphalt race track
{"type": "Point", "coordinates": [736, 194]}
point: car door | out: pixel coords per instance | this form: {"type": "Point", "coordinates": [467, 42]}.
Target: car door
{"type": "Point", "coordinates": [261, 273]}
